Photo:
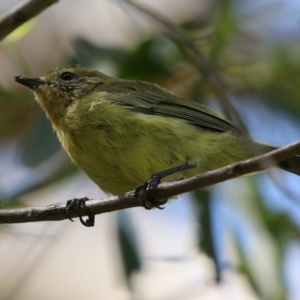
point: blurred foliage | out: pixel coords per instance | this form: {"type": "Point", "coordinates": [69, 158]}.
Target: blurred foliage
{"type": "Point", "coordinates": [21, 31]}
{"type": "Point", "coordinates": [128, 246]}
{"type": "Point", "coordinates": [268, 72]}
{"type": "Point", "coordinates": [42, 137]}
{"type": "Point", "coordinates": [152, 59]}
{"type": "Point", "coordinates": [224, 26]}
{"type": "Point", "coordinates": [203, 206]}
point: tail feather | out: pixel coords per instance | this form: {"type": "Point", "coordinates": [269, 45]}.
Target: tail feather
{"type": "Point", "coordinates": [291, 165]}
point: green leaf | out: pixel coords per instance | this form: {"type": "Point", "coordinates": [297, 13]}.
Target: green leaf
{"type": "Point", "coordinates": [129, 250]}
{"type": "Point", "coordinates": [206, 235]}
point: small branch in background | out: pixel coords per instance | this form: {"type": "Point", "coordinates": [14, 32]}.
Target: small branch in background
{"type": "Point", "coordinates": [205, 65]}
{"type": "Point", "coordinates": [165, 190]}
{"type": "Point", "coordinates": [20, 14]}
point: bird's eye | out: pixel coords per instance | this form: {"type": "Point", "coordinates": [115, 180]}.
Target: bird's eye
{"type": "Point", "coordinates": [67, 76]}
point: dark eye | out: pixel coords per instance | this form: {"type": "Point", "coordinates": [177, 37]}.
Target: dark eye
{"type": "Point", "coordinates": [67, 76]}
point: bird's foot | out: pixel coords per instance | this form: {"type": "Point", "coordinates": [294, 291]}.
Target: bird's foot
{"type": "Point", "coordinates": [147, 192]}
{"type": "Point", "coordinates": [81, 203]}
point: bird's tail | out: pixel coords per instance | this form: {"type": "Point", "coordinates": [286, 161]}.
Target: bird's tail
{"type": "Point", "coordinates": [291, 165]}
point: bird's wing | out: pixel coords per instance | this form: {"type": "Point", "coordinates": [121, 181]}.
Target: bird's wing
{"type": "Point", "coordinates": [148, 98]}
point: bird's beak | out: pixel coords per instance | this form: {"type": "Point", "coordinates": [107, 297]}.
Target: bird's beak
{"type": "Point", "coordinates": [32, 83]}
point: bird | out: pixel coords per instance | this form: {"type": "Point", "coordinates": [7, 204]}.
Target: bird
{"type": "Point", "coordinates": [121, 132]}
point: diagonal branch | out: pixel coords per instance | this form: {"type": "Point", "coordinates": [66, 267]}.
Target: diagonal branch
{"type": "Point", "coordinates": [20, 14]}
{"type": "Point", "coordinates": [55, 212]}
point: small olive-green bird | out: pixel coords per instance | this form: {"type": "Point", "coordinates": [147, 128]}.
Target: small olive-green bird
{"type": "Point", "coordinates": [120, 132]}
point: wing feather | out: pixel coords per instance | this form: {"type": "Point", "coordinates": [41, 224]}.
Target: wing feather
{"type": "Point", "coordinates": [148, 98]}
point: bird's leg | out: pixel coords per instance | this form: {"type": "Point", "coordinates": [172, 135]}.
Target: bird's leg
{"type": "Point", "coordinates": [80, 202]}
{"type": "Point", "coordinates": [147, 192]}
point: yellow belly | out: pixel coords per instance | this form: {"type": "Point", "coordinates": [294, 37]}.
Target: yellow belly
{"type": "Point", "coordinates": [123, 148]}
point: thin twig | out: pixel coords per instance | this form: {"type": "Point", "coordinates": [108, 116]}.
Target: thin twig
{"type": "Point", "coordinates": [20, 14]}
{"type": "Point", "coordinates": [205, 66]}
{"type": "Point", "coordinates": [165, 190]}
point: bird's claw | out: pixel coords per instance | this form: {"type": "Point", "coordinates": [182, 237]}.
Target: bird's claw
{"type": "Point", "coordinates": [147, 192]}
{"type": "Point", "coordinates": [79, 202]}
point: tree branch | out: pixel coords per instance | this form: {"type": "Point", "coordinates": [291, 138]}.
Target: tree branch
{"type": "Point", "coordinates": [20, 14]}
{"type": "Point", "coordinates": [55, 212]}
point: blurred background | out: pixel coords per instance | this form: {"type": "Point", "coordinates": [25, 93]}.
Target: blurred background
{"type": "Point", "coordinates": [237, 240]}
